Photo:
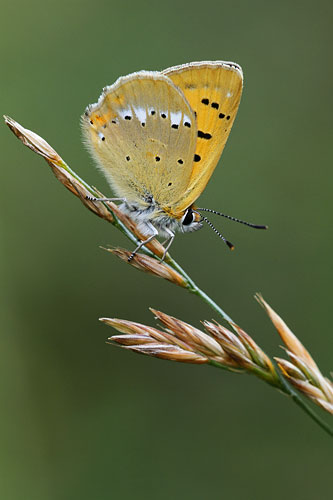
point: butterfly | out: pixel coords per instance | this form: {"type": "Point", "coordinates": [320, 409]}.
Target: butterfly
{"type": "Point", "coordinates": [158, 136]}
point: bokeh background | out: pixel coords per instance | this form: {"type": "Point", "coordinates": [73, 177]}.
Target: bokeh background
{"type": "Point", "coordinates": [81, 419]}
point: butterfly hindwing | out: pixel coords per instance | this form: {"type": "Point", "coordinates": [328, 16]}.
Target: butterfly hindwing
{"type": "Point", "coordinates": [213, 90]}
{"type": "Point", "coordinates": [143, 134]}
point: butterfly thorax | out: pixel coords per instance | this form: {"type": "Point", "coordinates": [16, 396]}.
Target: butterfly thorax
{"type": "Point", "coordinates": [150, 212]}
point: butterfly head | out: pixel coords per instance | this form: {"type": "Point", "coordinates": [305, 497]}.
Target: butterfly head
{"type": "Point", "coordinates": [191, 220]}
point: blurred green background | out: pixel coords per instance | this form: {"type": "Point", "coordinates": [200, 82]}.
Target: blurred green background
{"type": "Point", "coordinates": [85, 420]}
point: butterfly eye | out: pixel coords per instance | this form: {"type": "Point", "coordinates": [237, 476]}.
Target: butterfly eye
{"type": "Point", "coordinates": [188, 217]}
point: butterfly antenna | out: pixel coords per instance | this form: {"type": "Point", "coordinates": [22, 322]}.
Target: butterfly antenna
{"type": "Point", "coordinates": [230, 245]}
{"type": "Point", "coordinates": [233, 218]}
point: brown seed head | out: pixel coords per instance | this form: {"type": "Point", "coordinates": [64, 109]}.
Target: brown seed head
{"type": "Point", "coordinates": [301, 371]}
{"type": "Point", "coordinates": [33, 141]}
{"type": "Point", "coordinates": [153, 342]}
{"type": "Point", "coordinates": [256, 353]}
{"type": "Point", "coordinates": [198, 340]}
{"type": "Point", "coordinates": [149, 265]}
{"type": "Point", "coordinates": [243, 350]}
{"type": "Point", "coordinates": [290, 340]}
{"type": "Point", "coordinates": [230, 343]}
{"type": "Point", "coordinates": [59, 167]}
{"type": "Point", "coordinates": [298, 379]}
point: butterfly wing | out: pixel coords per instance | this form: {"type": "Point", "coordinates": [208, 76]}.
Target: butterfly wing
{"type": "Point", "coordinates": [142, 132]}
{"type": "Point", "coordinates": [213, 90]}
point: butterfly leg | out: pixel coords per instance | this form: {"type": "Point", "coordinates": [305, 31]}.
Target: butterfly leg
{"type": "Point", "coordinates": [169, 240]}
{"type": "Point", "coordinates": [144, 242]}
{"type": "Point", "coordinates": [92, 198]}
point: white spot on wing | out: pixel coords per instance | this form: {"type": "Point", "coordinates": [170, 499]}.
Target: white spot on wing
{"type": "Point", "coordinates": [187, 119]}
{"type": "Point", "coordinates": [141, 114]}
{"type": "Point", "coordinates": [176, 117]}
{"type": "Point", "coordinates": [229, 94]}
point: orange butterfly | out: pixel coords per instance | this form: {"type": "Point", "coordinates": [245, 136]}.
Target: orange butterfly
{"type": "Point", "coordinates": [158, 137]}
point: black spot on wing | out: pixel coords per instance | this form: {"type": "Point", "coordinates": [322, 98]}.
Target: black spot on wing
{"type": "Point", "coordinates": [204, 135]}
{"type": "Point", "coordinates": [197, 157]}
{"type": "Point", "coordinates": [215, 105]}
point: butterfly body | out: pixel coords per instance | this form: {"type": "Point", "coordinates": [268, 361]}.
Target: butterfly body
{"type": "Point", "coordinates": [158, 136]}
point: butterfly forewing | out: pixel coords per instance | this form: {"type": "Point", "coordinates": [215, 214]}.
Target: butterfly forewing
{"type": "Point", "coordinates": [143, 134]}
{"type": "Point", "coordinates": [213, 90]}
